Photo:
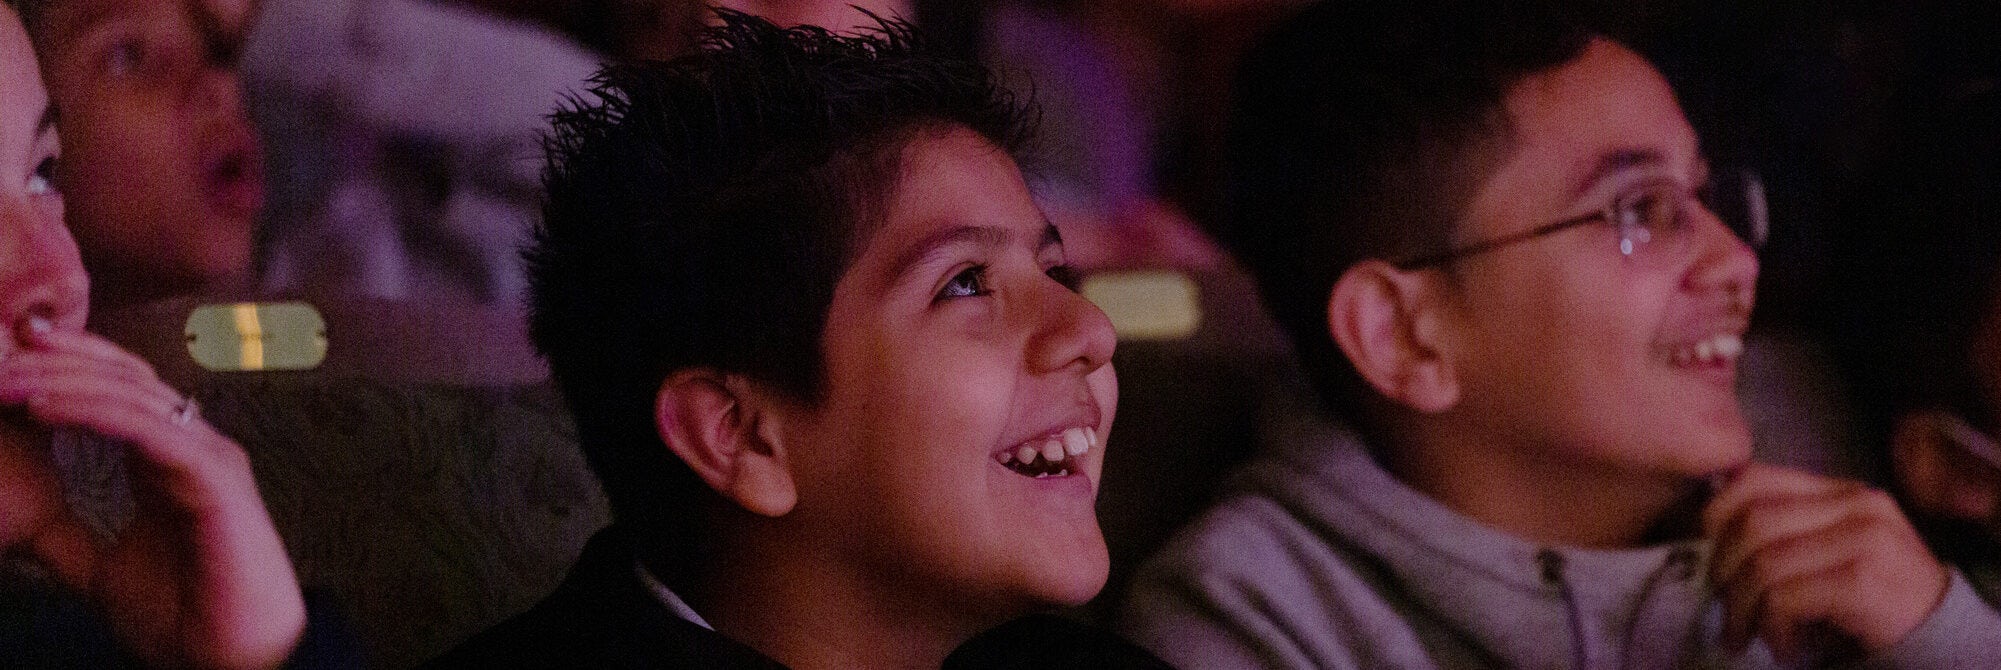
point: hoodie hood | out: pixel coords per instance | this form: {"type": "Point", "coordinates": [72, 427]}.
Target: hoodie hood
{"type": "Point", "coordinates": [1522, 604]}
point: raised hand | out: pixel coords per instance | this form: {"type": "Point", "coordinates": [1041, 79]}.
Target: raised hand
{"type": "Point", "coordinates": [199, 578]}
{"type": "Point", "coordinates": [1799, 555]}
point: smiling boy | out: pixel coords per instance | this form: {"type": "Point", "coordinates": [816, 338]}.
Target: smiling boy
{"type": "Point", "coordinates": [826, 359]}
{"type": "Point", "coordinates": [1490, 248]}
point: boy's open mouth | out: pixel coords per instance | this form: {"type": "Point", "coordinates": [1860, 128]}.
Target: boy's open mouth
{"type": "Point", "coordinates": [235, 183]}
{"type": "Point", "coordinates": [1051, 455]}
{"type": "Point", "coordinates": [1718, 349]}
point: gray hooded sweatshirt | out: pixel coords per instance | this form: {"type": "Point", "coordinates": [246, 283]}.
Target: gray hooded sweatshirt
{"type": "Point", "coordinates": [1319, 558]}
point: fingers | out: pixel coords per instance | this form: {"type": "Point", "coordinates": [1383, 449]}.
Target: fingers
{"type": "Point", "coordinates": [1770, 522]}
{"type": "Point", "coordinates": [199, 574]}
{"type": "Point", "coordinates": [1775, 587]}
{"type": "Point", "coordinates": [77, 380]}
{"type": "Point", "coordinates": [25, 371]}
{"type": "Point", "coordinates": [1758, 480]}
{"type": "Point", "coordinates": [1798, 552]}
{"type": "Point", "coordinates": [84, 345]}
{"type": "Point", "coordinates": [84, 368]}
{"type": "Point", "coordinates": [149, 426]}
{"type": "Point", "coordinates": [51, 354]}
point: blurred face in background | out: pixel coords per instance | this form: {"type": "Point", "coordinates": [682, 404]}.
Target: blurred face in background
{"type": "Point", "coordinates": [162, 169]}
{"type": "Point", "coordinates": [1948, 466]}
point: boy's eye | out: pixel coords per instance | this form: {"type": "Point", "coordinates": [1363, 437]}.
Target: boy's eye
{"type": "Point", "coordinates": [43, 181]}
{"type": "Point", "coordinates": [969, 282]}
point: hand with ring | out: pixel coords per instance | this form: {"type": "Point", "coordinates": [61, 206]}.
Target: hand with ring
{"type": "Point", "coordinates": [199, 578]}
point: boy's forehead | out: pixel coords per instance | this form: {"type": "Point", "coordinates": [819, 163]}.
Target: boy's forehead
{"type": "Point", "coordinates": [1604, 119]}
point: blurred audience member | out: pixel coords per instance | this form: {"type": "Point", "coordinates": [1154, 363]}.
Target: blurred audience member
{"type": "Point", "coordinates": [1133, 94]}
{"type": "Point", "coordinates": [620, 29]}
{"type": "Point", "coordinates": [1922, 320]}
{"type": "Point", "coordinates": [424, 473]}
{"type": "Point", "coordinates": [198, 577]}
{"type": "Point", "coordinates": [432, 115]}
{"type": "Point", "coordinates": [405, 144]}
{"type": "Point", "coordinates": [1493, 249]}
{"type": "Point", "coordinates": [162, 170]}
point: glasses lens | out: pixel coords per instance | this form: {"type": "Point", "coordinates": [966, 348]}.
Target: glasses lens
{"type": "Point", "coordinates": [1738, 197]}
{"type": "Point", "coordinates": [1649, 216]}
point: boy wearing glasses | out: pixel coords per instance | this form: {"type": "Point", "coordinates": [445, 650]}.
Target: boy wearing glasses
{"type": "Point", "coordinates": [1490, 248]}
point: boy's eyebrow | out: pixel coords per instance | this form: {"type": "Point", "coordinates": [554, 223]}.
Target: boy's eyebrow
{"type": "Point", "coordinates": [1614, 162]}
{"type": "Point", "coordinates": [982, 236]}
{"type": "Point", "coordinates": [986, 237]}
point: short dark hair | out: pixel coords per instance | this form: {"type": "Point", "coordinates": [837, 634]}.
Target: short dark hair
{"type": "Point", "coordinates": [700, 211]}
{"type": "Point", "coordinates": [1360, 130]}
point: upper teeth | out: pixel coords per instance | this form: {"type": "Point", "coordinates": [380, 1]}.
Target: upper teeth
{"type": "Point", "coordinates": [1056, 448]}
{"type": "Point", "coordinates": [1721, 347]}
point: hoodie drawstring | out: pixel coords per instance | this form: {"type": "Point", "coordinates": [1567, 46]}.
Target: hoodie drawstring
{"type": "Point", "coordinates": [1552, 572]}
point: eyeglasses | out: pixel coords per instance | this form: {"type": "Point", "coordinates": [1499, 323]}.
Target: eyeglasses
{"type": "Point", "coordinates": [1655, 214]}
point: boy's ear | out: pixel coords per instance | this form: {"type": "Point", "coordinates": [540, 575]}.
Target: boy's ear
{"type": "Point", "coordinates": [1388, 322]}
{"type": "Point", "coordinates": [715, 422]}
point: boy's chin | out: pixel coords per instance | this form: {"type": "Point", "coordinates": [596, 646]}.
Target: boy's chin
{"type": "Point", "coordinates": [1071, 575]}
{"type": "Point", "coordinates": [1717, 450]}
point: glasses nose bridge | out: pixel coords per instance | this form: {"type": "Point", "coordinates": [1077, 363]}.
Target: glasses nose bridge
{"type": "Point", "coordinates": [1718, 256]}
{"type": "Point", "coordinates": [1675, 227]}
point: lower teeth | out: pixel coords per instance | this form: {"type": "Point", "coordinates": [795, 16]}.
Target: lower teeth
{"type": "Point", "coordinates": [1040, 469]}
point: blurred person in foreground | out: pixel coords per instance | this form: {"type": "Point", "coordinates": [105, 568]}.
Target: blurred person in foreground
{"type": "Point", "coordinates": [1491, 250]}
{"type": "Point", "coordinates": [828, 360]}
{"type": "Point", "coordinates": [198, 578]}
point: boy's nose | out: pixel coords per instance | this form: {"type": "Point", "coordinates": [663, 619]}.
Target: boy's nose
{"type": "Point", "coordinates": [1072, 332]}
{"type": "Point", "coordinates": [40, 272]}
{"type": "Point", "coordinates": [1725, 261]}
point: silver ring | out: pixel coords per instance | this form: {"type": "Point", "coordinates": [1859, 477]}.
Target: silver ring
{"type": "Point", "coordinates": [186, 411]}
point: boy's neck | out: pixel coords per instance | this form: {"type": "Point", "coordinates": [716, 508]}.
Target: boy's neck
{"type": "Point", "coordinates": [1541, 498]}
{"type": "Point", "coordinates": [809, 614]}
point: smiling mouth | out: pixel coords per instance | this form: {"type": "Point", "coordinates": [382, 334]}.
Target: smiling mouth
{"type": "Point", "coordinates": [1054, 455]}
{"type": "Point", "coordinates": [1719, 349]}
